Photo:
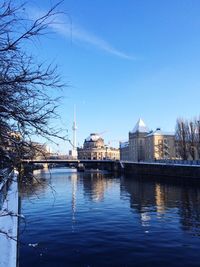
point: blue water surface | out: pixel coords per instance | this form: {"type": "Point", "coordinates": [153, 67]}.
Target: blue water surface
{"type": "Point", "coordinates": [101, 219]}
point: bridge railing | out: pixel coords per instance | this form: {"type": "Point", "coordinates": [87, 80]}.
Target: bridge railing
{"type": "Point", "coordinates": [177, 162]}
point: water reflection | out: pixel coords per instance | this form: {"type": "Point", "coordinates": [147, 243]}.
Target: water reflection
{"type": "Point", "coordinates": [95, 185]}
{"type": "Point", "coordinates": [73, 178]}
{"type": "Point", "coordinates": [161, 198]}
{"type": "Point", "coordinates": [189, 209]}
{"type": "Point", "coordinates": [149, 198]}
{"type": "Point", "coordinates": [34, 184]}
{"type": "Point", "coordinates": [97, 216]}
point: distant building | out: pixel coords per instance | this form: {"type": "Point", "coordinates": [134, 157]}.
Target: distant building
{"type": "Point", "coordinates": [124, 151]}
{"type": "Point", "coordinates": [37, 151]}
{"type": "Point", "coordinates": [160, 145]}
{"type": "Point", "coordinates": [9, 147]}
{"type": "Point", "coordinates": [11, 141]}
{"type": "Point", "coordinates": [94, 148]}
{"type": "Point", "coordinates": [145, 145]}
{"type": "Point", "coordinates": [137, 141]}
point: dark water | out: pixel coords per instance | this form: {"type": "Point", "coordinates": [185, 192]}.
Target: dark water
{"type": "Point", "coordinates": [95, 219]}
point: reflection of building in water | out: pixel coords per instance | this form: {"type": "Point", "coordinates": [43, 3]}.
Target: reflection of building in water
{"type": "Point", "coordinates": [95, 185]}
{"type": "Point", "coordinates": [141, 193]}
{"type": "Point", "coordinates": [142, 197]}
{"type": "Point", "coordinates": [180, 199]}
{"type": "Point", "coordinates": [160, 198]}
{"type": "Point", "coordinates": [190, 209]}
{"type": "Point", "coordinates": [166, 197]}
{"type": "Point", "coordinates": [145, 218]}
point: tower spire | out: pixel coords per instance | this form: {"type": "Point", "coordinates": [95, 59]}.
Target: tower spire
{"type": "Point", "coordinates": [74, 128]}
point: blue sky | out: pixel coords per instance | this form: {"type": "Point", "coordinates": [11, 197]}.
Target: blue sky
{"type": "Point", "coordinates": [124, 60]}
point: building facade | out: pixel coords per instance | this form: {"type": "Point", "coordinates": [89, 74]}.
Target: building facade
{"type": "Point", "coordinates": [95, 149]}
{"type": "Point", "coordinates": [145, 145]}
{"type": "Point", "coordinates": [124, 151]}
{"type": "Point", "coordinates": [137, 141]}
{"type": "Point", "coordinates": [160, 145]}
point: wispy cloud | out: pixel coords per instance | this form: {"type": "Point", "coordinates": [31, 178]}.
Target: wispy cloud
{"type": "Point", "coordinates": [76, 33]}
{"type": "Point", "coordinates": [72, 31]}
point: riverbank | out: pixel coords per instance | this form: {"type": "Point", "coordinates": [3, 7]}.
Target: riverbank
{"type": "Point", "coordinates": [9, 223]}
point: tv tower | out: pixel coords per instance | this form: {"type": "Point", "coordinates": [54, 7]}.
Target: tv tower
{"type": "Point", "coordinates": [74, 128]}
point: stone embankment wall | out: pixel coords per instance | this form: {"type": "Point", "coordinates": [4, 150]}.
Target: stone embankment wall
{"type": "Point", "coordinates": [161, 169]}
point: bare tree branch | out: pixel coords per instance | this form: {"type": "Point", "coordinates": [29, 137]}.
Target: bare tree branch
{"type": "Point", "coordinates": [25, 103]}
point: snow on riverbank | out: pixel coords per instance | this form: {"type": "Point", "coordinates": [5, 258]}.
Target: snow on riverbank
{"type": "Point", "coordinates": [9, 226]}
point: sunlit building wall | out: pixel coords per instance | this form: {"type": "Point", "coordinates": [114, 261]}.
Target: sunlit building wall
{"type": "Point", "coordinates": [160, 145]}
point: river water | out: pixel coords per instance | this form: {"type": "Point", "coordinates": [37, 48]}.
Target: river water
{"type": "Point", "coordinates": [101, 219]}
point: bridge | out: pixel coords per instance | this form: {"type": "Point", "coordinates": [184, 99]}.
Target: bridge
{"type": "Point", "coordinates": [161, 169]}
{"type": "Point", "coordinates": [68, 161]}
{"type": "Point", "coordinates": [110, 165]}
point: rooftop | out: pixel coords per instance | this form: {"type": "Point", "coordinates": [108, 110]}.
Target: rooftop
{"type": "Point", "coordinates": [93, 137]}
{"type": "Point", "coordinates": [140, 127]}
{"type": "Point", "coordinates": [124, 144]}
{"type": "Point", "coordinates": [159, 132]}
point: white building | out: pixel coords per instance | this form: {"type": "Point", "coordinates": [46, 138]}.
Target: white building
{"type": "Point", "coordinates": [144, 145]}
{"type": "Point", "coordinates": [137, 141]}
{"type": "Point", "coordinates": [160, 145]}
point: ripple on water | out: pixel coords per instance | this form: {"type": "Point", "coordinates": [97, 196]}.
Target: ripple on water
{"type": "Point", "coordinates": [96, 219]}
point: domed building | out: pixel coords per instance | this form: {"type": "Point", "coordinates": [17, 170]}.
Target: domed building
{"type": "Point", "coordinates": [95, 149]}
{"type": "Point", "coordinates": [93, 141]}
